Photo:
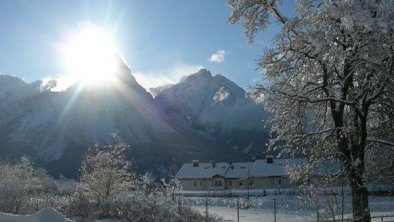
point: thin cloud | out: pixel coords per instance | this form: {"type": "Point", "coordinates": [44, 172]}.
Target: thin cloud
{"type": "Point", "coordinates": [217, 57]}
{"type": "Point", "coordinates": [62, 82]}
{"type": "Point", "coordinates": [149, 79]}
{"type": "Point", "coordinates": [170, 75]}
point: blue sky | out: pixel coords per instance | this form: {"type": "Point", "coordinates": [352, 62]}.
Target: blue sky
{"type": "Point", "coordinates": [160, 40]}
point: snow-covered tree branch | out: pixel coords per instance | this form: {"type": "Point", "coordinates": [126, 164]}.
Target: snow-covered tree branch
{"type": "Point", "coordinates": [331, 68]}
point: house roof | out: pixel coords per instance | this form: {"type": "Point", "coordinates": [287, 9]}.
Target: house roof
{"type": "Point", "coordinates": [279, 167]}
{"type": "Point", "coordinates": [203, 170]}
{"type": "Point", "coordinates": [258, 168]}
{"type": "Point", "coordinates": [238, 170]}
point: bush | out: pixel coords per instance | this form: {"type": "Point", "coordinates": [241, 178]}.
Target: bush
{"type": "Point", "coordinates": [107, 190]}
{"type": "Point", "coordinates": [22, 187]}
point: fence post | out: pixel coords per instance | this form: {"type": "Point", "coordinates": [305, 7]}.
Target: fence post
{"type": "Point", "coordinates": [206, 208]}
{"type": "Point", "coordinates": [237, 209]}
{"type": "Point", "coordinates": [317, 208]}
{"type": "Point", "coordinates": [342, 195]}
{"type": "Point", "coordinates": [179, 204]}
{"type": "Point", "coordinates": [274, 209]}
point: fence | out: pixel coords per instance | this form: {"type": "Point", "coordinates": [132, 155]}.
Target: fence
{"type": "Point", "coordinates": [279, 208]}
{"type": "Point", "coordinates": [386, 218]}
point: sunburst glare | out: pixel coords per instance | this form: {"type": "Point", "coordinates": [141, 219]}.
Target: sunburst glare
{"type": "Point", "coordinates": [90, 55]}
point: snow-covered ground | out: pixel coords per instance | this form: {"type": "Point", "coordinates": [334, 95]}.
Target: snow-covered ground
{"type": "Point", "coordinates": [44, 215]}
{"type": "Point", "coordinates": [288, 208]}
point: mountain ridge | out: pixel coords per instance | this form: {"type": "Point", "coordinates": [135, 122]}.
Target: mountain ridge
{"type": "Point", "coordinates": [196, 118]}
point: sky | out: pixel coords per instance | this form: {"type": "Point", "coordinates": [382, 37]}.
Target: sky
{"type": "Point", "coordinates": [161, 41]}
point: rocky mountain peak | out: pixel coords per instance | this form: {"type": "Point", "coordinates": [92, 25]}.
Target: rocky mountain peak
{"type": "Point", "coordinates": [11, 81]}
{"type": "Point", "coordinates": [201, 77]}
{"type": "Point", "coordinates": [123, 72]}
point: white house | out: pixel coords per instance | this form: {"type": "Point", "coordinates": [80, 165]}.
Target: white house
{"type": "Point", "coordinates": [260, 174]}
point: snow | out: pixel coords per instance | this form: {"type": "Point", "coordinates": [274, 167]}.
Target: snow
{"type": "Point", "coordinates": [238, 170]}
{"type": "Point", "coordinates": [157, 90]}
{"type": "Point", "coordinates": [65, 184]}
{"type": "Point", "coordinates": [288, 208]}
{"type": "Point", "coordinates": [261, 168]}
{"type": "Point", "coordinates": [52, 123]}
{"type": "Point", "coordinates": [203, 170]}
{"type": "Point", "coordinates": [247, 215]}
{"type": "Point", "coordinates": [221, 95]}
{"type": "Point", "coordinates": [211, 101]}
{"type": "Point", "coordinates": [43, 215]}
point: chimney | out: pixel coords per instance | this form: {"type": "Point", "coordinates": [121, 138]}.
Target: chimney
{"type": "Point", "coordinates": [213, 163]}
{"type": "Point", "coordinates": [195, 163]}
{"type": "Point", "coordinates": [270, 159]}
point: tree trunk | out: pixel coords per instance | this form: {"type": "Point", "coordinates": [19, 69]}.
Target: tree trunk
{"type": "Point", "coordinates": [360, 205]}
{"type": "Point", "coordinates": [352, 159]}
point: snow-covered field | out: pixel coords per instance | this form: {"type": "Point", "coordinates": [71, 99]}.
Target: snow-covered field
{"type": "Point", "coordinates": [44, 215]}
{"type": "Point", "coordinates": [288, 208]}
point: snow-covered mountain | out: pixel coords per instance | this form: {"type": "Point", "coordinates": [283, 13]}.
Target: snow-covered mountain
{"type": "Point", "coordinates": [210, 101]}
{"type": "Point", "coordinates": [201, 117]}
{"type": "Point", "coordinates": [218, 108]}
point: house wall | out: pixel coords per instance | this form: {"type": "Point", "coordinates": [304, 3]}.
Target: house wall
{"type": "Point", "coordinates": [218, 183]}
{"type": "Point", "coordinates": [270, 183]}
{"type": "Point", "coordinates": [196, 184]}
{"type": "Point", "coordinates": [235, 184]}
{"type": "Point", "coordinates": [232, 184]}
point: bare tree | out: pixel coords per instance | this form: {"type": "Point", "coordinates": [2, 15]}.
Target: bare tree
{"type": "Point", "coordinates": [105, 177]}
{"type": "Point", "coordinates": [329, 82]}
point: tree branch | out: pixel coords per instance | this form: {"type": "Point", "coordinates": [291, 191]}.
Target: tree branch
{"type": "Point", "coordinates": [277, 13]}
{"type": "Point", "coordinates": [301, 98]}
{"type": "Point", "coordinates": [386, 142]}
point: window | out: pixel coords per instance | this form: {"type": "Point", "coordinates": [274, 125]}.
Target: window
{"type": "Point", "coordinates": [273, 181]}
{"type": "Point", "coordinates": [194, 183]}
{"type": "Point", "coordinates": [218, 183]}
{"type": "Point", "coordinates": [230, 183]}
{"type": "Point", "coordinates": [280, 181]}
{"type": "Point", "coordinates": [200, 182]}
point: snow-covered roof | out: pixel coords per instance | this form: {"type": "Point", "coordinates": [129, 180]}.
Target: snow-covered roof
{"type": "Point", "coordinates": [258, 168]}
{"type": "Point", "coordinates": [203, 170]}
{"type": "Point", "coordinates": [238, 170]}
{"type": "Point", "coordinates": [279, 167]}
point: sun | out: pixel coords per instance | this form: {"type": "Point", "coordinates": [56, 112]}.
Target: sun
{"type": "Point", "coordinates": [90, 56]}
